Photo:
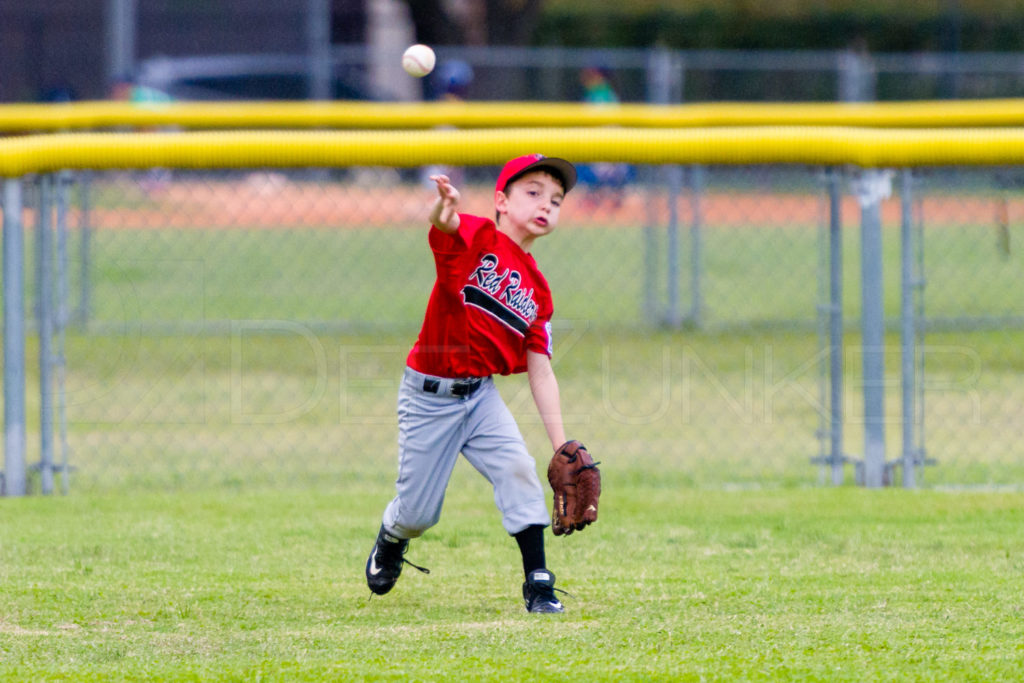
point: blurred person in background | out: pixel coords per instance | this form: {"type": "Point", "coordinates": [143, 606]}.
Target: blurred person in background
{"type": "Point", "coordinates": [452, 80]}
{"type": "Point", "coordinates": [597, 87]}
{"type": "Point", "coordinates": [451, 83]}
{"type": "Point", "coordinates": [604, 183]}
{"type": "Point", "coordinates": [126, 88]}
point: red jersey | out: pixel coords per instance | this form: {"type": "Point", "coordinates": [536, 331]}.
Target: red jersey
{"type": "Point", "coordinates": [490, 304]}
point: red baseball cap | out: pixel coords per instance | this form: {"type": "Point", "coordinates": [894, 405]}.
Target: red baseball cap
{"type": "Point", "coordinates": [515, 168]}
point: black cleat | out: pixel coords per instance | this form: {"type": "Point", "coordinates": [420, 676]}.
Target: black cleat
{"type": "Point", "coordinates": [539, 593]}
{"type": "Point", "coordinates": [384, 565]}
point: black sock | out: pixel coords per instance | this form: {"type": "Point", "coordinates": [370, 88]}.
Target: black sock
{"type": "Point", "coordinates": [531, 545]}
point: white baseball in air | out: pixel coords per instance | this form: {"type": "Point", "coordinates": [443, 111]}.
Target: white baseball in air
{"type": "Point", "coordinates": [418, 60]}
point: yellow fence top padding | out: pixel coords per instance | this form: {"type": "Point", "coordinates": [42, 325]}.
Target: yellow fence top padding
{"type": "Point", "coordinates": [296, 149]}
{"type": "Point", "coordinates": [23, 118]}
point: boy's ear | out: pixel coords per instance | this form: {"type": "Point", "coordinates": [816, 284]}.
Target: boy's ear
{"type": "Point", "coordinates": [500, 202]}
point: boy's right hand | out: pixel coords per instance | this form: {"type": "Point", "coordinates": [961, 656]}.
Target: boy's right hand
{"type": "Point", "coordinates": [444, 215]}
{"type": "Point", "coordinates": [445, 188]}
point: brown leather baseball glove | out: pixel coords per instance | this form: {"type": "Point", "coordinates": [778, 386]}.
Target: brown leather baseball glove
{"type": "Point", "coordinates": [576, 481]}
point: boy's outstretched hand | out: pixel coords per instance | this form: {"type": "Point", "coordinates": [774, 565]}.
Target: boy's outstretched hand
{"type": "Point", "coordinates": [444, 215]}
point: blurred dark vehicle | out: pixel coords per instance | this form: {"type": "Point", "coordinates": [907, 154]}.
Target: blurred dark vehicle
{"type": "Point", "coordinates": [246, 77]}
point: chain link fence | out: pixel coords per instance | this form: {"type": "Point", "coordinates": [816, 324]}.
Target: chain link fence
{"type": "Point", "coordinates": [659, 75]}
{"type": "Point", "coordinates": [250, 327]}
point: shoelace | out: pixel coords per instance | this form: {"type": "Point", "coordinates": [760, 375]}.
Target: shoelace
{"type": "Point", "coordinates": [402, 559]}
{"type": "Point", "coordinates": [416, 566]}
{"type": "Point", "coordinates": [388, 558]}
{"type": "Point", "coordinates": [548, 592]}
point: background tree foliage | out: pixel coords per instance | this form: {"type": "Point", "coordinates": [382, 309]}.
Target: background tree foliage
{"type": "Point", "coordinates": [488, 22]}
{"type": "Point", "coordinates": [878, 25]}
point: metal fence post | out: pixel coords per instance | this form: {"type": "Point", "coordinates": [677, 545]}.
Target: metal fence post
{"type": "Point", "coordinates": [696, 247]}
{"type": "Point", "coordinates": [44, 318]}
{"type": "Point", "coordinates": [835, 327]}
{"type": "Point", "coordinates": [663, 87]}
{"type": "Point", "coordinates": [64, 181]}
{"type": "Point", "coordinates": [907, 330]}
{"type": "Point", "coordinates": [874, 186]}
{"type": "Point", "coordinates": [912, 284]}
{"type": "Point", "coordinates": [830, 334]}
{"type": "Point", "coordinates": [85, 244]}
{"type": "Point", "coordinates": [917, 233]}
{"type": "Point", "coordinates": [651, 251]}
{"type": "Point", "coordinates": [665, 74]}
{"type": "Point", "coordinates": [318, 49]}
{"type": "Point", "coordinates": [14, 482]}
{"type": "Point", "coordinates": [856, 76]}
{"type": "Point", "coordinates": [673, 317]}
{"type": "Point", "coordinates": [121, 38]}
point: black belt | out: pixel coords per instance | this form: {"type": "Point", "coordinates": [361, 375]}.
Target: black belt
{"type": "Point", "coordinates": [460, 387]}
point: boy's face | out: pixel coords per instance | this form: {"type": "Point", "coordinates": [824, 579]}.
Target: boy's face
{"type": "Point", "coordinates": [530, 205]}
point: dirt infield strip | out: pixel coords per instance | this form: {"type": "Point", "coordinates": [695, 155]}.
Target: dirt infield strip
{"type": "Point", "coordinates": [266, 204]}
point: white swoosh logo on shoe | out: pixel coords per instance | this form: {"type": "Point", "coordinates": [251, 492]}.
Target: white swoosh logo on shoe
{"type": "Point", "coordinates": [374, 569]}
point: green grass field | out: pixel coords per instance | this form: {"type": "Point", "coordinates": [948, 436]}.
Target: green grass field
{"type": "Point", "coordinates": [232, 436]}
{"type": "Point", "coordinates": [670, 584]}
{"type": "Point", "coordinates": [237, 355]}
{"type": "Point", "coordinates": [380, 278]}
{"type": "Point", "coordinates": [712, 409]}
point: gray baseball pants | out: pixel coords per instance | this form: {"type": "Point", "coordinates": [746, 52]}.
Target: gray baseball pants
{"type": "Point", "coordinates": [434, 426]}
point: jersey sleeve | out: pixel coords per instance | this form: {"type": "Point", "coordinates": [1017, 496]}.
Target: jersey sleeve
{"type": "Point", "coordinates": [444, 243]}
{"type": "Point", "coordinates": [538, 337]}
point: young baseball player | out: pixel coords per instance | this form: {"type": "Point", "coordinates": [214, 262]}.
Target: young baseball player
{"type": "Point", "coordinates": [489, 313]}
